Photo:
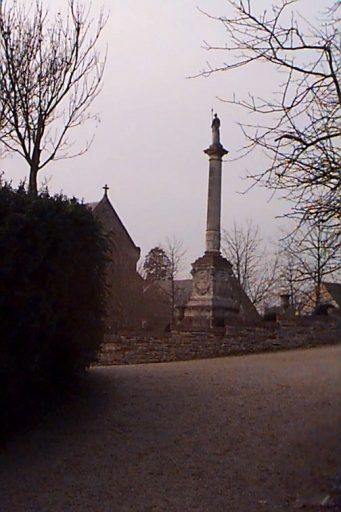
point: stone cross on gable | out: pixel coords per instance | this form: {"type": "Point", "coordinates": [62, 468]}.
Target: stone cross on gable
{"type": "Point", "coordinates": [106, 188]}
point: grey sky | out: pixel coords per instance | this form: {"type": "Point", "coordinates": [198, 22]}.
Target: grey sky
{"type": "Point", "coordinates": [155, 124]}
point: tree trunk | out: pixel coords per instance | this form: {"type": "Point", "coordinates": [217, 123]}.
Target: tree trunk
{"type": "Point", "coordinates": [32, 184]}
{"type": "Point", "coordinates": [34, 167]}
{"type": "Point", "coordinates": [173, 299]}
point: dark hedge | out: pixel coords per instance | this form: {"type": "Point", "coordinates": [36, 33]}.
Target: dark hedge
{"type": "Point", "coordinates": [52, 294]}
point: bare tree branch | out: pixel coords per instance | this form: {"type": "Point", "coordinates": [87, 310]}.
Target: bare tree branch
{"type": "Point", "coordinates": [310, 255]}
{"type": "Point", "coordinates": [255, 269]}
{"type": "Point", "coordinates": [301, 131]}
{"type": "Point", "coordinates": [50, 73]}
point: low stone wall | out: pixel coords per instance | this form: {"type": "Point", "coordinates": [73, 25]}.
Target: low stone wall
{"type": "Point", "coordinates": [233, 340]}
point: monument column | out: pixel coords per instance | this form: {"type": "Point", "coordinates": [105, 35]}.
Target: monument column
{"type": "Point", "coordinates": [215, 153]}
{"type": "Point", "coordinates": [213, 299]}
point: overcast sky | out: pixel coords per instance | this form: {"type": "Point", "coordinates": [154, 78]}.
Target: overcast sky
{"type": "Point", "coordinates": [155, 124]}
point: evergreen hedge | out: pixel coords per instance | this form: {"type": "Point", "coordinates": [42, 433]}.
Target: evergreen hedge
{"type": "Point", "coordinates": [52, 293]}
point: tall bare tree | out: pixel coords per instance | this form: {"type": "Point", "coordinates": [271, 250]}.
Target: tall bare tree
{"type": "Point", "coordinates": [254, 267]}
{"type": "Point", "coordinates": [299, 128]}
{"type": "Point", "coordinates": [288, 277]}
{"type": "Point", "coordinates": [175, 251]}
{"type": "Point", "coordinates": [313, 254]}
{"type": "Point", "coordinates": [50, 72]}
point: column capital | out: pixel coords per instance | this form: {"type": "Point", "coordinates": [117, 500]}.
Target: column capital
{"type": "Point", "coordinates": [216, 151]}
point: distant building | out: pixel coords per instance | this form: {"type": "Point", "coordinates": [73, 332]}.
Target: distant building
{"type": "Point", "coordinates": [159, 297]}
{"type": "Point", "coordinates": [285, 311]}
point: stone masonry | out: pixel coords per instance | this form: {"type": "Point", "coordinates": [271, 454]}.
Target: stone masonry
{"type": "Point", "coordinates": [213, 300]}
{"type": "Point", "coordinates": [232, 340]}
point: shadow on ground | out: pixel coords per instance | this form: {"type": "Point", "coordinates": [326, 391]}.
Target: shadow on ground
{"type": "Point", "coordinates": [241, 434]}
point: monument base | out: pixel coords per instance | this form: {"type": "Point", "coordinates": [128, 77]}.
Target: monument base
{"type": "Point", "coordinates": [213, 300]}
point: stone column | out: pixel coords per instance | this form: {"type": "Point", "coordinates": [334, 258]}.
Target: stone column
{"type": "Point", "coordinates": [214, 199]}
{"type": "Point", "coordinates": [215, 152]}
{"type": "Point", "coordinates": [213, 298]}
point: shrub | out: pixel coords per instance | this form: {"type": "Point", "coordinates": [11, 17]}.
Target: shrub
{"type": "Point", "coordinates": [52, 292]}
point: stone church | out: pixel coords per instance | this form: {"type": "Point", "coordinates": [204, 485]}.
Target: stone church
{"type": "Point", "coordinates": [124, 283]}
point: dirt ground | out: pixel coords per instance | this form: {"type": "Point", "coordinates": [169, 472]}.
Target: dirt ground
{"type": "Point", "coordinates": [251, 433]}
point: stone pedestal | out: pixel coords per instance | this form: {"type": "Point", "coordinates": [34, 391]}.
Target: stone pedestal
{"type": "Point", "coordinates": [212, 300]}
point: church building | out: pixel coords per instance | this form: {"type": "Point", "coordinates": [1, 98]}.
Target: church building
{"type": "Point", "coordinates": [124, 283]}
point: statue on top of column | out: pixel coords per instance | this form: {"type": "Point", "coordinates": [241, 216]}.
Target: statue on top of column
{"type": "Point", "coordinates": [215, 130]}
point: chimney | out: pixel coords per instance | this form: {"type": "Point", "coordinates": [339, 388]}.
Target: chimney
{"type": "Point", "coordinates": [285, 298]}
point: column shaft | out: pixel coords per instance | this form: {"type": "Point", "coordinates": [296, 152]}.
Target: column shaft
{"type": "Point", "coordinates": [214, 205]}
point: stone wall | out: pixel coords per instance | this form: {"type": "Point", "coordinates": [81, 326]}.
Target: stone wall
{"type": "Point", "coordinates": [232, 340]}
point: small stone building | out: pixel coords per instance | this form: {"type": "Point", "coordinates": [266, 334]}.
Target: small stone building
{"type": "Point", "coordinates": [331, 297]}
{"type": "Point", "coordinates": [125, 285]}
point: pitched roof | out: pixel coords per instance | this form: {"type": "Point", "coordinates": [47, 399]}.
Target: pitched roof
{"type": "Point", "coordinates": [182, 289]}
{"type": "Point", "coordinates": [184, 285]}
{"type": "Point", "coordinates": [334, 290]}
{"type": "Point", "coordinates": [105, 202]}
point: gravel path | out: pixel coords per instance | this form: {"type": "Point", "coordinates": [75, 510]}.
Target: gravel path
{"type": "Point", "coordinates": [252, 433]}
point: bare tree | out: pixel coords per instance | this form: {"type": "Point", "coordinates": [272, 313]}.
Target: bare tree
{"type": "Point", "coordinates": [288, 276]}
{"type": "Point", "coordinates": [50, 72]}
{"type": "Point", "coordinates": [175, 251]}
{"type": "Point", "coordinates": [313, 252]}
{"type": "Point", "coordinates": [254, 267]}
{"type": "Point", "coordinates": [299, 128]}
